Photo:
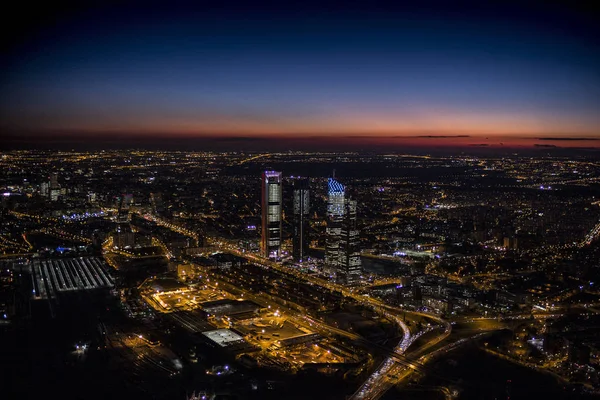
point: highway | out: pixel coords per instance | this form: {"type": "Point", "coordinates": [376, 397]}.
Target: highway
{"type": "Point", "coordinates": [374, 381]}
{"type": "Point", "coordinates": [593, 234]}
{"type": "Point", "coordinates": [383, 378]}
{"type": "Point", "coordinates": [399, 372]}
{"type": "Point", "coordinates": [398, 365]}
{"type": "Point", "coordinates": [378, 383]}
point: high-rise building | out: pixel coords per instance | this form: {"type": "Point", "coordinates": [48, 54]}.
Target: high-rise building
{"type": "Point", "coordinates": [54, 181]}
{"type": "Point", "coordinates": [342, 247]}
{"type": "Point", "coordinates": [271, 214]}
{"type": "Point", "coordinates": [301, 225]}
{"type": "Point", "coordinates": [349, 269]}
{"type": "Point", "coordinates": [45, 189]}
{"type": "Point", "coordinates": [335, 213]}
{"type": "Point", "coordinates": [54, 187]}
{"type": "Point", "coordinates": [124, 237]}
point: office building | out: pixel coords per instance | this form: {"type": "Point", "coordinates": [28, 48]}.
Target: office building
{"type": "Point", "coordinates": [342, 247]}
{"type": "Point", "coordinates": [349, 267]}
{"type": "Point", "coordinates": [124, 237]}
{"type": "Point", "coordinates": [54, 181]}
{"type": "Point", "coordinates": [271, 214]}
{"type": "Point", "coordinates": [301, 226]}
{"type": "Point", "coordinates": [54, 187]}
{"type": "Point", "coordinates": [45, 189]}
{"type": "Point", "coordinates": [335, 213]}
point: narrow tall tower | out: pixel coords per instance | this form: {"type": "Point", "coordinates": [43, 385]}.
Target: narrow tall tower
{"type": "Point", "coordinates": [271, 214]}
{"type": "Point", "coordinates": [54, 181]}
{"type": "Point", "coordinates": [300, 238]}
{"type": "Point", "coordinates": [350, 267]}
{"type": "Point", "coordinates": [54, 187]}
{"type": "Point", "coordinates": [335, 214]}
{"type": "Point", "coordinates": [342, 247]}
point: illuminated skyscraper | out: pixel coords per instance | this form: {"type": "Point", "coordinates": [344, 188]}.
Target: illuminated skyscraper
{"type": "Point", "coordinates": [54, 181]}
{"type": "Point", "coordinates": [54, 187]}
{"type": "Point", "coordinates": [44, 189]}
{"type": "Point", "coordinates": [271, 214]}
{"type": "Point", "coordinates": [335, 212]}
{"type": "Point", "coordinates": [342, 250]}
{"type": "Point", "coordinates": [349, 269]}
{"type": "Point", "coordinates": [301, 228]}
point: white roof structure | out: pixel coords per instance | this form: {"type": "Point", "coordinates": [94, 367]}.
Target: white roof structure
{"type": "Point", "coordinates": [223, 337]}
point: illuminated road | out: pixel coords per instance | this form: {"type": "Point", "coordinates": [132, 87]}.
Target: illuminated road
{"type": "Point", "coordinates": [254, 158]}
{"type": "Point", "coordinates": [174, 227]}
{"type": "Point", "coordinates": [399, 372]}
{"type": "Point", "coordinates": [383, 378]}
{"type": "Point", "coordinates": [378, 383]}
{"type": "Point", "coordinates": [593, 234]}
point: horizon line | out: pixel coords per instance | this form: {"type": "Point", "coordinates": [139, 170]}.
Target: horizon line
{"type": "Point", "coordinates": [73, 134]}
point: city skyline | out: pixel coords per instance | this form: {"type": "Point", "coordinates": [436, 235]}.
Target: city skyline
{"type": "Point", "coordinates": [468, 275]}
{"type": "Point", "coordinates": [267, 200]}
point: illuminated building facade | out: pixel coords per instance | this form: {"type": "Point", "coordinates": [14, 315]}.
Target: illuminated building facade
{"type": "Point", "coordinates": [342, 250]}
{"type": "Point", "coordinates": [54, 187]}
{"type": "Point", "coordinates": [349, 268]}
{"type": "Point", "coordinates": [335, 213]}
{"type": "Point", "coordinates": [271, 214]}
{"type": "Point", "coordinates": [124, 237]}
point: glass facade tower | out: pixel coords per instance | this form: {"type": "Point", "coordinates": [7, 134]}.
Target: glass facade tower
{"type": "Point", "coordinates": [342, 250]}
{"type": "Point", "coordinates": [350, 267]}
{"type": "Point", "coordinates": [335, 214]}
{"type": "Point", "coordinates": [271, 214]}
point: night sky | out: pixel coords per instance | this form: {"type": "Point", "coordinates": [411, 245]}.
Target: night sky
{"type": "Point", "coordinates": [490, 74]}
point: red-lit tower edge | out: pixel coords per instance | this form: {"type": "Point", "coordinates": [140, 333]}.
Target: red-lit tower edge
{"type": "Point", "coordinates": [272, 209]}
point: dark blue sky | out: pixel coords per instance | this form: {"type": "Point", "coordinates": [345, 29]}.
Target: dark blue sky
{"type": "Point", "coordinates": [332, 69]}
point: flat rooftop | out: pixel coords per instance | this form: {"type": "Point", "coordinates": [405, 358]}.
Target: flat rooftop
{"type": "Point", "coordinates": [51, 276]}
{"type": "Point", "coordinates": [223, 337]}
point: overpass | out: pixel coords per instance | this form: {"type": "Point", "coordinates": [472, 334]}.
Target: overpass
{"type": "Point", "coordinates": [394, 358]}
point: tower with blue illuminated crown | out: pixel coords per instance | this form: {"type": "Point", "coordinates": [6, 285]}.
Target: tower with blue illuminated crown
{"type": "Point", "coordinates": [342, 250]}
